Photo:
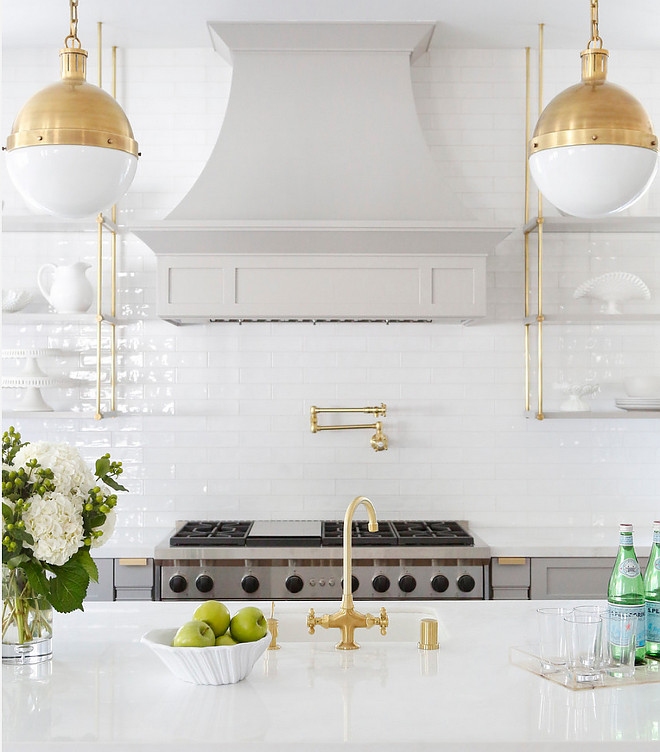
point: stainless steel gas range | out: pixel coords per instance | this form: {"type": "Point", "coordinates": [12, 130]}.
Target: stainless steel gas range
{"type": "Point", "coordinates": [302, 559]}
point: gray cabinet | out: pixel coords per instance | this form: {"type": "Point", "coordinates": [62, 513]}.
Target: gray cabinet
{"type": "Point", "coordinates": [570, 578]}
{"type": "Point", "coordinates": [104, 589]}
{"type": "Point", "coordinates": [123, 580]}
{"type": "Point", "coordinates": [510, 578]}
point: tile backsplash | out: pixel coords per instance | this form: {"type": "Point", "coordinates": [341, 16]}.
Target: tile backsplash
{"type": "Point", "coordinates": [215, 418]}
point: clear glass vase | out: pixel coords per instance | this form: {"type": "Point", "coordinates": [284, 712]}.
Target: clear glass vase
{"type": "Point", "coordinates": [27, 620]}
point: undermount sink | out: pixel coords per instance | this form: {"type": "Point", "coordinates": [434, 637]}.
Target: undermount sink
{"type": "Point", "coordinates": [403, 624]}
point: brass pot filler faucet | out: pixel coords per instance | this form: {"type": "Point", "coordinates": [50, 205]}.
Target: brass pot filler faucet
{"type": "Point", "coordinates": [347, 619]}
{"type": "Point", "coordinates": [378, 440]}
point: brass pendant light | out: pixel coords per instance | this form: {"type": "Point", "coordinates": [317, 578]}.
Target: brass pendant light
{"type": "Point", "coordinates": [71, 151]}
{"type": "Point", "coordinates": [593, 151]}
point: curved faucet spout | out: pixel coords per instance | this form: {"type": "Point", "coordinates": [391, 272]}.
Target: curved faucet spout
{"type": "Point", "coordinates": [347, 600]}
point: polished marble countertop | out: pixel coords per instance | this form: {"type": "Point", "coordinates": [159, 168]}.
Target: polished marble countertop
{"type": "Point", "coordinates": [104, 690]}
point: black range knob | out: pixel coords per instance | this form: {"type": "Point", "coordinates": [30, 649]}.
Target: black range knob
{"type": "Point", "coordinates": [294, 583]}
{"type": "Point", "coordinates": [355, 583]}
{"type": "Point", "coordinates": [381, 583]}
{"type": "Point", "coordinates": [204, 583]}
{"type": "Point", "coordinates": [407, 583]}
{"type": "Point", "coordinates": [250, 583]}
{"type": "Point", "coordinates": [439, 583]}
{"type": "Point", "coordinates": [465, 583]}
{"type": "Point", "coordinates": [178, 583]}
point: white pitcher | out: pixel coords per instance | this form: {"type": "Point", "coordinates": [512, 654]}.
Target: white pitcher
{"type": "Point", "coordinates": [66, 288]}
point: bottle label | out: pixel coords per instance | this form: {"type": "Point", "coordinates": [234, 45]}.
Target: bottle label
{"type": "Point", "coordinates": [629, 568]}
{"type": "Point", "coordinates": [616, 628]}
{"type": "Point", "coordinates": [656, 536]}
{"type": "Point", "coordinates": [656, 564]}
{"type": "Point", "coordinates": [652, 621]}
{"type": "Point", "coordinates": [626, 539]}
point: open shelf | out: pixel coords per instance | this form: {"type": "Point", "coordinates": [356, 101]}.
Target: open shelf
{"type": "Point", "coordinates": [596, 319]}
{"type": "Point", "coordinates": [87, 415]}
{"type": "Point", "coordinates": [29, 223]}
{"type": "Point", "coordinates": [605, 224]}
{"type": "Point", "coordinates": [592, 415]}
{"type": "Point", "coordinates": [48, 317]}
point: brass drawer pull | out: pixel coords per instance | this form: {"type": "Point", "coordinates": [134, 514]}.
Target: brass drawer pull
{"type": "Point", "coordinates": [507, 560]}
{"type": "Point", "coordinates": [132, 562]}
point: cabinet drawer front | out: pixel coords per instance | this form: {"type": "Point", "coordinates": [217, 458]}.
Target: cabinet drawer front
{"type": "Point", "coordinates": [134, 573]}
{"type": "Point", "coordinates": [510, 572]}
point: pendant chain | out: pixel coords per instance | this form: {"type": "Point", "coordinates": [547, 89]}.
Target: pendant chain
{"type": "Point", "coordinates": [73, 36]}
{"type": "Point", "coordinates": [595, 36]}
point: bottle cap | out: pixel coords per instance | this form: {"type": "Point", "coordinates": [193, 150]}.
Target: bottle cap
{"type": "Point", "coordinates": [656, 525]}
{"type": "Point", "coordinates": [625, 527]}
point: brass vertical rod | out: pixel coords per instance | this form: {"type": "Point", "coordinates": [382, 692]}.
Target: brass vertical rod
{"type": "Point", "coordinates": [113, 271]}
{"type": "Point", "coordinates": [99, 312]}
{"type": "Point", "coordinates": [539, 220]}
{"type": "Point", "coordinates": [526, 216]}
{"type": "Point", "coordinates": [540, 103]}
{"type": "Point", "coordinates": [99, 26]}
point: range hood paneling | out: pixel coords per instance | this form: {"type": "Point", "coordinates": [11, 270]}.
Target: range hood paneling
{"type": "Point", "coordinates": [321, 287]}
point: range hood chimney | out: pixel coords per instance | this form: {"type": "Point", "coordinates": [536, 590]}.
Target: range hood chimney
{"type": "Point", "coordinates": [320, 152]}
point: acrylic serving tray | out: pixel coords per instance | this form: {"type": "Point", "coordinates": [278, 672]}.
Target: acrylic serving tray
{"type": "Point", "coordinates": [525, 657]}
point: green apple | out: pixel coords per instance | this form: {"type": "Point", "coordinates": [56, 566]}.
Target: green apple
{"type": "Point", "coordinates": [248, 625]}
{"type": "Point", "coordinates": [225, 639]}
{"type": "Point", "coordinates": [215, 614]}
{"type": "Point", "coordinates": [194, 634]}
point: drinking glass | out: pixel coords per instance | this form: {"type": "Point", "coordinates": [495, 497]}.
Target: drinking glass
{"type": "Point", "coordinates": [619, 644]}
{"type": "Point", "coordinates": [552, 638]}
{"type": "Point", "coordinates": [600, 609]}
{"type": "Point", "coordinates": [584, 643]}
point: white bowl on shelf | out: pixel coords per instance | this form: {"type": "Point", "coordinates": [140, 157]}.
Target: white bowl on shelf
{"type": "Point", "coordinates": [216, 664]}
{"type": "Point", "coordinates": [644, 385]}
{"type": "Point", "coordinates": [15, 300]}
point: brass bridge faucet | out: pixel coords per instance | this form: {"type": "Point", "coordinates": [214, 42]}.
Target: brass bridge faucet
{"type": "Point", "coordinates": [347, 619]}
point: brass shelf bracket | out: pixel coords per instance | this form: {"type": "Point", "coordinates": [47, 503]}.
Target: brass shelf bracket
{"type": "Point", "coordinates": [378, 440]}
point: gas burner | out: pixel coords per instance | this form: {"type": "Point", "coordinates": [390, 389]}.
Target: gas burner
{"type": "Point", "coordinates": [333, 534]}
{"type": "Point", "coordinates": [433, 533]}
{"type": "Point", "coordinates": [212, 533]}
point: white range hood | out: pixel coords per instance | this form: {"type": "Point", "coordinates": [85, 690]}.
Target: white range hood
{"type": "Point", "coordinates": [320, 177]}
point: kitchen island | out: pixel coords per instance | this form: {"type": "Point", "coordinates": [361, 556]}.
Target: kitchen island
{"type": "Point", "coordinates": [104, 690]}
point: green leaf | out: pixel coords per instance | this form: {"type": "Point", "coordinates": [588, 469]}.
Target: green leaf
{"type": "Point", "coordinates": [67, 590]}
{"type": "Point", "coordinates": [17, 560]}
{"type": "Point", "coordinates": [96, 519]}
{"type": "Point", "coordinates": [102, 466]}
{"type": "Point", "coordinates": [84, 558]}
{"type": "Point", "coordinates": [22, 535]}
{"type": "Point", "coordinates": [7, 512]}
{"type": "Point", "coordinates": [113, 483]}
{"type": "Point", "coordinates": [36, 577]}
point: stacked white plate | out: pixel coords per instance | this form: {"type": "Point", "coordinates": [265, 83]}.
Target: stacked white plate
{"type": "Point", "coordinates": [638, 403]}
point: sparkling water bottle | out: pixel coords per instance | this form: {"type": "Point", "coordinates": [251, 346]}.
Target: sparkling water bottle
{"type": "Point", "coordinates": [652, 595]}
{"type": "Point", "coordinates": [625, 592]}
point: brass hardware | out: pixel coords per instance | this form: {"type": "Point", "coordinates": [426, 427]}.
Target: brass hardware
{"type": "Point", "coordinates": [594, 109]}
{"type": "Point", "coordinates": [511, 560]}
{"type": "Point", "coordinates": [272, 628]}
{"type": "Point", "coordinates": [347, 619]}
{"type": "Point", "coordinates": [73, 111]}
{"type": "Point", "coordinates": [428, 634]}
{"type": "Point", "coordinates": [378, 440]}
{"type": "Point", "coordinates": [133, 562]}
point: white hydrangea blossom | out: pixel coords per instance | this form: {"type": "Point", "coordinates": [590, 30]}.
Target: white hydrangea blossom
{"type": "Point", "coordinates": [107, 528]}
{"type": "Point", "coordinates": [71, 475]}
{"type": "Point", "coordinates": [55, 523]}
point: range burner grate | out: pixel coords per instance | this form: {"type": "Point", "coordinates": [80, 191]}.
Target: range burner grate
{"type": "Point", "coordinates": [431, 533]}
{"type": "Point", "coordinates": [212, 533]}
{"type": "Point", "coordinates": [332, 534]}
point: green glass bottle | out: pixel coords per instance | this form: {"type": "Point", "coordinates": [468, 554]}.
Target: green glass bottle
{"type": "Point", "coordinates": [625, 592]}
{"type": "Point", "coordinates": [652, 596]}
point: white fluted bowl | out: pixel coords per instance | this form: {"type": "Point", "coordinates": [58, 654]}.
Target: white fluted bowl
{"type": "Point", "coordinates": [216, 664]}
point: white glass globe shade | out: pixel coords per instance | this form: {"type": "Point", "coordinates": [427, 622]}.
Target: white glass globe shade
{"type": "Point", "coordinates": [71, 181]}
{"type": "Point", "coordinates": [593, 180]}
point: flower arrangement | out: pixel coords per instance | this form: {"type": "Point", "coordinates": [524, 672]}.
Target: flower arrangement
{"type": "Point", "coordinates": [54, 510]}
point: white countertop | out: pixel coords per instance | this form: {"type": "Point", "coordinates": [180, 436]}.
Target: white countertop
{"type": "Point", "coordinates": [106, 691]}
{"type": "Point", "coordinates": [137, 542]}
{"type": "Point", "coordinates": [558, 541]}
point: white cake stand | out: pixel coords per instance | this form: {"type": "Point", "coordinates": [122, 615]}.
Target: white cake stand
{"type": "Point", "coordinates": [32, 379]}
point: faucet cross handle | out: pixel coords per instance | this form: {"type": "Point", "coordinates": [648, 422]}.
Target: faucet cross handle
{"type": "Point", "coordinates": [384, 620]}
{"type": "Point", "coordinates": [312, 621]}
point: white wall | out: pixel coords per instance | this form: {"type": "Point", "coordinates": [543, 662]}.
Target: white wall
{"type": "Point", "coordinates": [216, 417]}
